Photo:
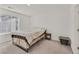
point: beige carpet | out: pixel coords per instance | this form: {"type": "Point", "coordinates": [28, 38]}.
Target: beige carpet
{"type": "Point", "coordinates": [42, 47]}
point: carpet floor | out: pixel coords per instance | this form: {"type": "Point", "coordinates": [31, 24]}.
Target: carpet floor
{"type": "Point", "coordinates": [42, 47]}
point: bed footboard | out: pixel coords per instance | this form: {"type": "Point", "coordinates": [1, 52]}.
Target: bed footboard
{"type": "Point", "coordinates": [21, 42]}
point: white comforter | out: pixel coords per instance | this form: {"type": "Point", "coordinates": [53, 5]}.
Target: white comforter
{"type": "Point", "coordinates": [30, 35]}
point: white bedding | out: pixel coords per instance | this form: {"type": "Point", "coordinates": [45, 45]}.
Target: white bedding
{"type": "Point", "coordinates": [31, 34]}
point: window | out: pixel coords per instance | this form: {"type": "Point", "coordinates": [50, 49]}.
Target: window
{"type": "Point", "coordinates": [8, 24]}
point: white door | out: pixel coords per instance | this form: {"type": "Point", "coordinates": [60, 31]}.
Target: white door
{"type": "Point", "coordinates": [76, 28]}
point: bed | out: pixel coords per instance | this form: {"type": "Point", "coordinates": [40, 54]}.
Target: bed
{"type": "Point", "coordinates": [26, 40]}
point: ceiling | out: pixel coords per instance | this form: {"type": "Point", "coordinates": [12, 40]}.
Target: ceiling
{"type": "Point", "coordinates": [35, 9]}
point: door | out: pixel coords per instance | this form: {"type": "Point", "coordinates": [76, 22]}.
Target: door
{"type": "Point", "coordinates": [76, 28]}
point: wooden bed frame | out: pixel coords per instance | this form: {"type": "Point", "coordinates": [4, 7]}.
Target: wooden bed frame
{"type": "Point", "coordinates": [42, 36]}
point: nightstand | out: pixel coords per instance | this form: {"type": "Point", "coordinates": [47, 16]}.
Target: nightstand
{"type": "Point", "coordinates": [48, 36]}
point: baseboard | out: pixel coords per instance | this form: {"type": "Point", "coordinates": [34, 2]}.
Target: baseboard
{"type": "Point", "coordinates": [55, 39]}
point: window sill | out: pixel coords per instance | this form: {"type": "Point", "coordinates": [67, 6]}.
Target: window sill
{"type": "Point", "coordinates": [5, 33]}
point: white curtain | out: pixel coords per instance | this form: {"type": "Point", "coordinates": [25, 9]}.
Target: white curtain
{"type": "Point", "coordinates": [9, 24]}
{"type": "Point", "coordinates": [15, 24]}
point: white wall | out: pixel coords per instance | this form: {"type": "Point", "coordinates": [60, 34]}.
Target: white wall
{"type": "Point", "coordinates": [56, 20]}
{"type": "Point", "coordinates": [5, 37]}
